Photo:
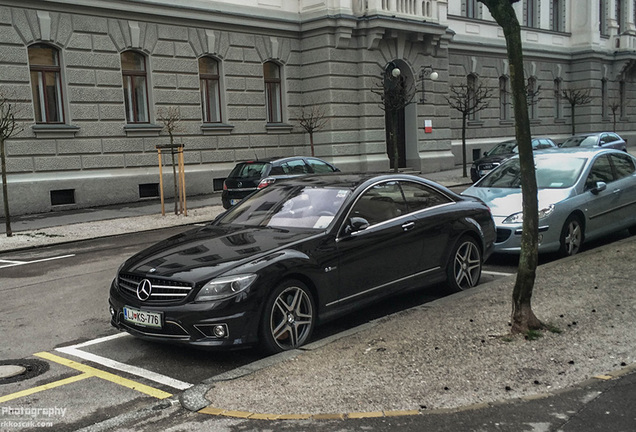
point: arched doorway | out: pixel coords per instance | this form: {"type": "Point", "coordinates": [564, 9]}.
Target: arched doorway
{"type": "Point", "coordinates": [398, 95]}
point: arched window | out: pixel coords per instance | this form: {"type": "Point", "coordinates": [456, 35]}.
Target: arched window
{"type": "Point", "coordinates": [46, 83]}
{"type": "Point", "coordinates": [210, 90]}
{"type": "Point", "coordinates": [504, 98]}
{"type": "Point", "coordinates": [273, 93]}
{"type": "Point", "coordinates": [133, 69]}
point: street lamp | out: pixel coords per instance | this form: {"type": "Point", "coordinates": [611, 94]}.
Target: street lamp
{"type": "Point", "coordinates": [427, 71]}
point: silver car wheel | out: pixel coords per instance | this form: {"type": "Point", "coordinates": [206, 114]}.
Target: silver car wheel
{"type": "Point", "coordinates": [572, 237]}
{"type": "Point", "coordinates": [291, 318]}
{"type": "Point", "coordinates": [467, 265]}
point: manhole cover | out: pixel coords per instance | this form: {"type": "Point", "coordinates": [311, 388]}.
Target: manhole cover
{"type": "Point", "coordinates": [18, 370]}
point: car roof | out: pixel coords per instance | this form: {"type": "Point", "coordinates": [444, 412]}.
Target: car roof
{"type": "Point", "coordinates": [585, 152]}
{"type": "Point", "coordinates": [353, 180]}
{"type": "Point", "coordinates": [277, 160]}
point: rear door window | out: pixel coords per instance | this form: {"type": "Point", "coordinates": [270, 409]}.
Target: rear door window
{"type": "Point", "coordinates": [295, 167]}
{"type": "Point", "coordinates": [623, 164]}
{"type": "Point", "coordinates": [319, 166]}
{"type": "Point", "coordinates": [249, 170]}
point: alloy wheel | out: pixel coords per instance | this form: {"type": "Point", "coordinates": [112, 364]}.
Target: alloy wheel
{"type": "Point", "coordinates": [467, 265]}
{"type": "Point", "coordinates": [572, 237]}
{"type": "Point", "coordinates": [291, 318]}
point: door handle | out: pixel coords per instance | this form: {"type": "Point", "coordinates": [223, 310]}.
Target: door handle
{"type": "Point", "coordinates": [408, 226]}
{"type": "Point", "coordinates": [616, 191]}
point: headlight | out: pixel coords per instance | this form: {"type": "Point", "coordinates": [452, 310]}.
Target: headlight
{"type": "Point", "coordinates": [518, 217]}
{"type": "Point", "coordinates": [224, 287]}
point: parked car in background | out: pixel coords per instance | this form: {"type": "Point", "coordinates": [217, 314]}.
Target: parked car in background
{"type": "Point", "coordinates": [246, 177]}
{"type": "Point", "coordinates": [502, 151]}
{"type": "Point", "coordinates": [600, 140]}
{"type": "Point", "coordinates": [583, 194]}
{"type": "Point", "coordinates": [299, 252]}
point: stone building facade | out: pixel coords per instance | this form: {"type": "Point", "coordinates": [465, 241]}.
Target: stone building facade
{"type": "Point", "coordinates": [93, 82]}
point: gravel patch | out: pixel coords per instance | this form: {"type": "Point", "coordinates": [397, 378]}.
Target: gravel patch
{"type": "Point", "coordinates": [456, 351]}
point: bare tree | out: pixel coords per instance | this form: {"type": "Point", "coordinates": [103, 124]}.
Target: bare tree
{"type": "Point", "coordinates": [576, 97]}
{"type": "Point", "coordinates": [396, 93]}
{"type": "Point", "coordinates": [312, 118]}
{"type": "Point", "coordinates": [523, 318]}
{"type": "Point", "coordinates": [171, 118]}
{"type": "Point", "coordinates": [8, 127]}
{"type": "Point", "coordinates": [468, 100]}
{"type": "Point", "coordinates": [614, 106]}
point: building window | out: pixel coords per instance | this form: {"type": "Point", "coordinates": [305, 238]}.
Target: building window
{"type": "Point", "coordinates": [619, 16]}
{"type": "Point", "coordinates": [46, 83]}
{"type": "Point", "coordinates": [603, 17]}
{"type": "Point", "coordinates": [504, 98]}
{"type": "Point", "coordinates": [556, 15]}
{"type": "Point", "coordinates": [133, 69]}
{"type": "Point", "coordinates": [273, 93]}
{"type": "Point", "coordinates": [531, 13]}
{"type": "Point", "coordinates": [471, 9]}
{"type": "Point", "coordinates": [210, 90]}
{"type": "Point", "coordinates": [558, 99]}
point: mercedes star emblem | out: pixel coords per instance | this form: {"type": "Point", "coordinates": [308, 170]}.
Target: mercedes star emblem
{"type": "Point", "coordinates": [144, 289]}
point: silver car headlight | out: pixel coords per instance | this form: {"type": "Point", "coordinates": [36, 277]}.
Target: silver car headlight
{"type": "Point", "coordinates": [224, 287]}
{"type": "Point", "coordinates": [517, 218]}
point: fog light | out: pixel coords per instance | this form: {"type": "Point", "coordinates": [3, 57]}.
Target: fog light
{"type": "Point", "coordinates": [112, 311]}
{"type": "Point", "coordinates": [540, 238]}
{"type": "Point", "coordinates": [220, 331]}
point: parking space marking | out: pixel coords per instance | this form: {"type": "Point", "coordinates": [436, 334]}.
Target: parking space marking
{"type": "Point", "coordinates": [107, 376]}
{"type": "Point", "coordinates": [41, 388]}
{"type": "Point", "coordinates": [11, 263]}
{"type": "Point", "coordinates": [123, 367]}
{"type": "Point", "coordinates": [494, 273]}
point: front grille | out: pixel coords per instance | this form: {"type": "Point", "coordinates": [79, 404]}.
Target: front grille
{"type": "Point", "coordinates": [163, 290]}
{"type": "Point", "coordinates": [503, 234]}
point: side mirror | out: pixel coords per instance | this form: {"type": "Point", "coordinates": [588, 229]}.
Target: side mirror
{"type": "Point", "coordinates": [600, 187]}
{"type": "Point", "coordinates": [356, 224]}
{"type": "Point", "coordinates": [485, 153]}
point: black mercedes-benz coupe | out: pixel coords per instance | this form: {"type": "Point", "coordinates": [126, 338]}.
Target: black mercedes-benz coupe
{"type": "Point", "coordinates": [297, 253]}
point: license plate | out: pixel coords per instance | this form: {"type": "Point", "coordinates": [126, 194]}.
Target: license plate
{"type": "Point", "coordinates": [142, 318]}
{"type": "Point", "coordinates": [234, 201]}
{"type": "Point", "coordinates": [484, 172]}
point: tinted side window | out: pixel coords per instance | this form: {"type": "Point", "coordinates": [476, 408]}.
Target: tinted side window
{"type": "Point", "coordinates": [623, 164]}
{"type": "Point", "coordinates": [419, 197]}
{"type": "Point", "coordinates": [601, 172]}
{"type": "Point", "coordinates": [295, 167]}
{"type": "Point", "coordinates": [319, 166]}
{"type": "Point", "coordinates": [248, 170]}
{"type": "Point", "coordinates": [380, 203]}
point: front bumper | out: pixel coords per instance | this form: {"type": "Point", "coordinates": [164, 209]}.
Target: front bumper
{"type": "Point", "coordinates": [192, 323]}
{"type": "Point", "coordinates": [508, 239]}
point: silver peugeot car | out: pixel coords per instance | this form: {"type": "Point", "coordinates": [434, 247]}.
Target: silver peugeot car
{"type": "Point", "coordinates": [583, 194]}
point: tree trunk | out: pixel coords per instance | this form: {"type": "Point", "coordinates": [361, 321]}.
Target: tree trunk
{"type": "Point", "coordinates": [523, 319]}
{"type": "Point", "coordinates": [5, 189]}
{"type": "Point", "coordinates": [464, 121]}
{"type": "Point", "coordinates": [573, 119]}
{"type": "Point", "coordinates": [311, 142]}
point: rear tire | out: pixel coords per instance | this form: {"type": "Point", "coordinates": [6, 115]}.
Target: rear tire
{"type": "Point", "coordinates": [572, 236]}
{"type": "Point", "coordinates": [288, 318]}
{"type": "Point", "coordinates": [465, 264]}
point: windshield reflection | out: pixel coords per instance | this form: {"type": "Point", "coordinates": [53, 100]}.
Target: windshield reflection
{"type": "Point", "coordinates": [552, 171]}
{"type": "Point", "coordinates": [292, 206]}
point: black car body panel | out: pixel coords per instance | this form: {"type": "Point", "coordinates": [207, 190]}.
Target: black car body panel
{"type": "Point", "coordinates": [344, 270]}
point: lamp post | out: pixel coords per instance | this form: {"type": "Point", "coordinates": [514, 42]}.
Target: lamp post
{"type": "Point", "coordinates": [427, 71]}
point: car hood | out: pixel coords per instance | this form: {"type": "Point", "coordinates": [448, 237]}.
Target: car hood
{"type": "Point", "coordinates": [203, 253]}
{"type": "Point", "coordinates": [504, 202]}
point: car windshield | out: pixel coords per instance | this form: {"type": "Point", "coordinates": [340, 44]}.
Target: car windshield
{"type": "Point", "coordinates": [249, 170]}
{"type": "Point", "coordinates": [552, 171]}
{"type": "Point", "coordinates": [504, 148]}
{"type": "Point", "coordinates": [288, 206]}
{"type": "Point", "coordinates": [579, 141]}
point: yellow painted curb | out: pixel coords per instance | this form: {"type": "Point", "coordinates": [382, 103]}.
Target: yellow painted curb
{"type": "Point", "coordinates": [362, 415]}
{"type": "Point", "coordinates": [328, 417]}
{"type": "Point", "coordinates": [401, 413]}
{"type": "Point", "coordinates": [603, 377]}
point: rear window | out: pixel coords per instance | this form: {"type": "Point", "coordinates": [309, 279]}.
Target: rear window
{"type": "Point", "coordinates": [249, 170]}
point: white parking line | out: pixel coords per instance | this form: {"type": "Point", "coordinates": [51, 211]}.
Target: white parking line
{"type": "Point", "coordinates": [19, 263]}
{"type": "Point", "coordinates": [123, 367]}
{"type": "Point", "coordinates": [494, 273]}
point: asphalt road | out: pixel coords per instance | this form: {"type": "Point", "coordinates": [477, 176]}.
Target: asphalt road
{"type": "Point", "coordinates": [54, 309]}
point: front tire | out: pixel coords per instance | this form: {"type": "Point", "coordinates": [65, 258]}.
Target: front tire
{"type": "Point", "coordinates": [572, 236]}
{"type": "Point", "coordinates": [464, 267]}
{"type": "Point", "coordinates": [288, 318]}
